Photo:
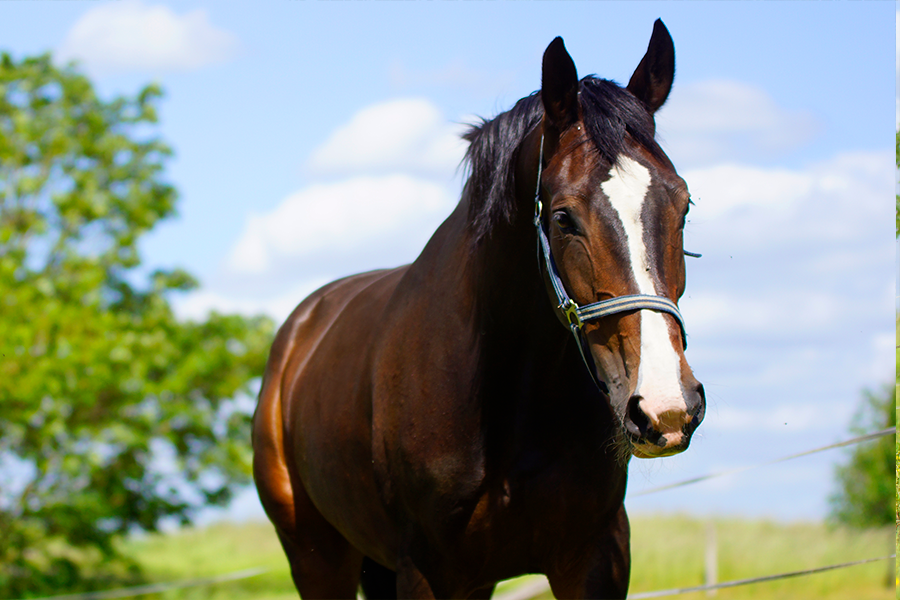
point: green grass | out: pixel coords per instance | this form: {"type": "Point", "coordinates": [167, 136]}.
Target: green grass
{"type": "Point", "coordinates": [215, 550]}
{"type": "Point", "coordinates": [667, 552]}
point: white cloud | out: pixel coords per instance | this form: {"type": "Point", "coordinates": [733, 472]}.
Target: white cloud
{"type": "Point", "coordinates": [199, 304]}
{"type": "Point", "coordinates": [883, 348]}
{"type": "Point", "coordinates": [741, 207]}
{"type": "Point", "coordinates": [720, 121]}
{"type": "Point", "coordinates": [391, 166]}
{"type": "Point", "coordinates": [409, 135]}
{"type": "Point", "coordinates": [709, 312]}
{"type": "Point", "coordinates": [724, 188]}
{"type": "Point", "coordinates": [795, 285]}
{"type": "Point", "coordinates": [130, 35]}
{"type": "Point", "coordinates": [351, 215]}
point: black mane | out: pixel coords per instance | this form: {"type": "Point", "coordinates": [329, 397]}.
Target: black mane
{"type": "Point", "coordinates": [609, 113]}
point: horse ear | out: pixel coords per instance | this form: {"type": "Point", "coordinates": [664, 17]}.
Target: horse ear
{"type": "Point", "coordinates": [559, 86]}
{"type": "Point", "coordinates": [653, 77]}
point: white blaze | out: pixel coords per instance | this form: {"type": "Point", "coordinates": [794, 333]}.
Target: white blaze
{"type": "Point", "coordinates": [659, 380]}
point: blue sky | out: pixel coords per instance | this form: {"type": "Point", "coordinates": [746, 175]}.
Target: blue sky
{"type": "Point", "coordinates": [317, 139]}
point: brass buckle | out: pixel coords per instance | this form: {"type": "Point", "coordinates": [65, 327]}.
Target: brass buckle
{"type": "Point", "coordinates": [570, 309]}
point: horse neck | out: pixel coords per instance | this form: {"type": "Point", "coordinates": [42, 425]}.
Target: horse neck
{"type": "Point", "coordinates": [519, 329]}
{"type": "Point", "coordinates": [513, 294]}
{"type": "Point", "coordinates": [513, 297]}
{"type": "Point", "coordinates": [539, 405]}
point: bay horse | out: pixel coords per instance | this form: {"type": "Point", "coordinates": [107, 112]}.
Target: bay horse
{"type": "Point", "coordinates": [429, 430]}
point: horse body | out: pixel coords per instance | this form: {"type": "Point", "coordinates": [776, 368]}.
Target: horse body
{"type": "Point", "coordinates": [462, 478]}
{"type": "Point", "coordinates": [430, 430]}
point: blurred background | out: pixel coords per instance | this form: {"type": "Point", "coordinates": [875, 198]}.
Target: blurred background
{"type": "Point", "coordinates": [154, 237]}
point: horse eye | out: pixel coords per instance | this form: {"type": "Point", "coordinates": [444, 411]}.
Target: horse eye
{"type": "Point", "coordinates": [565, 222]}
{"type": "Point", "coordinates": [684, 215]}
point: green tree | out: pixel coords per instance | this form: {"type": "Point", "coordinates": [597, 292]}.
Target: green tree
{"type": "Point", "coordinates": [114, 415]}
{"type": "Point", "coordinates": [897, 458]}
{"type": "Point", "coordinates": [897, 409]}
{"type": "Point", "coordinates": [896, 387]}
{"type": "Point", "coordinates": [865, 496]}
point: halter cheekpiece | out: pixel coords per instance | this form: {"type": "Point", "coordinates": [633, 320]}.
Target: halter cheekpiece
{"type": "Point", "coordinates": [576, 316]}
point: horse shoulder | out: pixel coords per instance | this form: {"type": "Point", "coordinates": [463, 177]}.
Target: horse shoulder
{"type": "Point", "coordinates": [426, 422]}
{"type": "Point", "coordinates": [327, 341]}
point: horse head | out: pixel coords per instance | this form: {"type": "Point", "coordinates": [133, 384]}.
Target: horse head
{"type": "Point", "coordinates": [613, 211]}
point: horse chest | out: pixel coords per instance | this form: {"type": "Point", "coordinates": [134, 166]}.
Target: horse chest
{"type": "Point", "coordinates": [524, 524]}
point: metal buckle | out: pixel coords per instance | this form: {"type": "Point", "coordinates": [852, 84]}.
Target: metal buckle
{"type": "Point", "coordinates": [570, 309]}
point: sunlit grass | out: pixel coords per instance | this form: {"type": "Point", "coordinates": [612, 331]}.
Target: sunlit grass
{"type": "Point", "coordinates": [215, 550]}
{"type": "Point", "coordinates": [667, 552]}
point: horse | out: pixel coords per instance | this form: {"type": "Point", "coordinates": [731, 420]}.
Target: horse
{"type": "Point", "coordinates": [429, 430]}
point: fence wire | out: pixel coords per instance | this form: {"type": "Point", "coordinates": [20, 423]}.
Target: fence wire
{"type": "Point", "coordinates": [155, 588]}
{"type": "Point", "coordinates": [713, 475]}
{"type": "Point", "coordinates": [738, 582]}
{"type": "Point", "coordinates": [540, 586]}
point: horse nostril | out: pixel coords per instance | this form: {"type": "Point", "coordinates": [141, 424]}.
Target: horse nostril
{"type": "Point", "coordinates": [636, 422]}
{"type": "Point", "coordinates": [697, 406]}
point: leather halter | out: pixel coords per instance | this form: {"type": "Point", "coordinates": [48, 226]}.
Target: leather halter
{"type": "Point", "coordinates": [576, 316]}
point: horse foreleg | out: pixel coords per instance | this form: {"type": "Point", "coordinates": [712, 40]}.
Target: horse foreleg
{"type": "Point", "coordinates": [378, 582]}
{"type": "Point", "coordinates": [611, 575]}
{"type": "Point", "coordinates": [603, 573]}
{"type": "Point", "coordinates": [411, 583]}
{"type": "Point", "coordinates": [323, 563]}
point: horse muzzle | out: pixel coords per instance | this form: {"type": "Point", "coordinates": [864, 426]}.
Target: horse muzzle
{"type": "Point", "coordinates": [663, 426]}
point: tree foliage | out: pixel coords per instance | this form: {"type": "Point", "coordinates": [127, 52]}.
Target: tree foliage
{"type": "Point", "coordinates": [866, 496]}
{"type": "Point", "coordinates": [896, 386]}
{"type": "Point", "coordinates": [114, 415]}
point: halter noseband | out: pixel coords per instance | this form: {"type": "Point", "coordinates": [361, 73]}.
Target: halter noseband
{"type": "Point", "coordinates": [576, 316]}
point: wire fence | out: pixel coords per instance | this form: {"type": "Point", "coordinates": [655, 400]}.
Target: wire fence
{"type": "Point", "coordinates": [537, 587]}
{"type": "Point", "coordinates": [156, 588]}
{"type": "Point", "coordinates": [856, 440]}
{"type": "Point", "coordinates": [738, 582]}
{"type": "Point", "coordinates": [540, 586]}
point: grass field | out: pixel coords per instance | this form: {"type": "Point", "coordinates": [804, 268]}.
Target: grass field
{"type": "Point", "coordinates": [667, 552]}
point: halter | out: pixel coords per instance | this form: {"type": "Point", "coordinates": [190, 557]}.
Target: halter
{"type": "Point", "coordinates": [576, 316]}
